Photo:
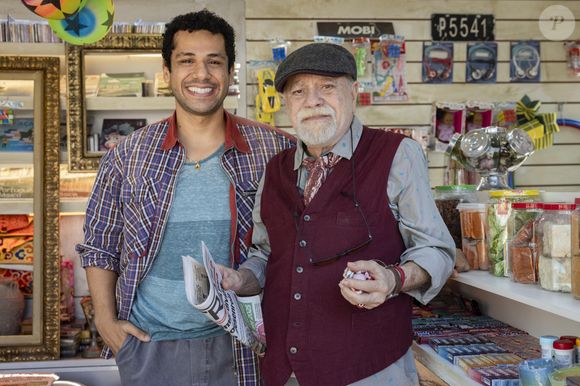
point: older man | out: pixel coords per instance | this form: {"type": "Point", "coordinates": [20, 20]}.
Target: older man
{"type": "Point", "coordinates": [346, 197]}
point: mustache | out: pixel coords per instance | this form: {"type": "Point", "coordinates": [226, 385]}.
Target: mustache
{"type": "Point", "coordinates": [311, 112]}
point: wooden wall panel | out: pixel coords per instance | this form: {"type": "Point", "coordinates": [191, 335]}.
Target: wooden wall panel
{"type": "Point", "coordinates": [556, 168]}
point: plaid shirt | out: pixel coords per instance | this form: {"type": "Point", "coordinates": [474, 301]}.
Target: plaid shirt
{"type": "Point", "coordinates": [129, 206]}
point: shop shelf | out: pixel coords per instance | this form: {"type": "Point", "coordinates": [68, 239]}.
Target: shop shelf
{"type": "Point", "coordinates": [445, 370]}
{"type": "Point", "coordinates": [42, 49]}
{"type": "Point", "coordinates": [557, 303]}
{"type": "Point", "coordinates": [15, 159]}
{"type": "Point", "coordinates": [24, 206]}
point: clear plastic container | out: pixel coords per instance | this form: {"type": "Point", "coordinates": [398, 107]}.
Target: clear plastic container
{"type": "Point", "coordinates": [522, 253]}
{"type": "Point", "coordinates": [576, 255]}
{"type": "Point", "coordinates": [473, 220]}
{"type": "Point", "coordinates": [498, 213]}
{"type": "Point", "coordinates": [555, 261]}
{"type": "Point", "coordinates": [447, 197]}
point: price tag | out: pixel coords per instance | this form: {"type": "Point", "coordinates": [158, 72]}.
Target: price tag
{"type": "Point", "coordinates": [457, 27]}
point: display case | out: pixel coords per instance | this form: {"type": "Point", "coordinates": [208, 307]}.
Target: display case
{"type": "Point", "coordinates": [29, 257]}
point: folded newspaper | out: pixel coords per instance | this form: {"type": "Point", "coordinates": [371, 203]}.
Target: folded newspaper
{"type": "Point", "coordinates": [239, 316]}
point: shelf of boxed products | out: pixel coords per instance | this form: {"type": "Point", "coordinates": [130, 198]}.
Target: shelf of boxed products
{"type": "Point", "coordinates": [144, 103]}
{"type": "Point", "coordinates": [451, 374]}
{"type": "Point", "coordinates": [557, 303]}
{"type": "Point", "coordinates": [69, 206]}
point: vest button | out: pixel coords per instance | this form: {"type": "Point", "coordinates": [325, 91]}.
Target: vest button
{"type": "Point", "coordinates": [297, 296]}
{"type": "Point", "coordinates": [302, 243]}
{"type": "Point", "coordinates": [299, 269]}
{"type": "Point", "coordinates": [293, 350]}
{"type": "Point", "coordinates": [307, 218]}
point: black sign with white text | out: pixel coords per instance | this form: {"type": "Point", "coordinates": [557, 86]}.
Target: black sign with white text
{"type": "Point", "coordinates": [355, 29]}
{"type": "Point", "coordinates": [458, 27]}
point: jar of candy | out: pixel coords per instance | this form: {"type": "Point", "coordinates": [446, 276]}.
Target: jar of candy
{"type": "Point", "coordinates": [473, 220]}
{"type": "Point", "coordinates": [498, 213]}
{"type": "Point", "coordinates": [447, 197]}
{"type": "Point", "coordinates": [576, 255]}
{"type": "Point", "coordinates": [555, 260]}
{"type": "Point", "coordinates": [522, 254]}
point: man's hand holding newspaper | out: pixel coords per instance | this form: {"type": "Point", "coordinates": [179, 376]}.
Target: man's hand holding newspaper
{"type": "Point", "coordinates": [239, 316]}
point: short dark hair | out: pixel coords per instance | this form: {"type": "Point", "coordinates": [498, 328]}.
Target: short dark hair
{"type": "Point", "coordinates": [195, 21]}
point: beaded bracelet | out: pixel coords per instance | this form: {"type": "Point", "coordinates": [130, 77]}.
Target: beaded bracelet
{"type": "Point", "coordinates": [399, 275]}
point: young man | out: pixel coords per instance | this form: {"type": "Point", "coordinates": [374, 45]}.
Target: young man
{"type": "Point", "coordinates": [158, 194]}
{"type": "Point", "coordinates": [346, 197]}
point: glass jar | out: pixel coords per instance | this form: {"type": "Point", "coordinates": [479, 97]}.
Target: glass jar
{"type": "Point", "coordinates": [555, 261]}
{"type": "Point", "coordinates": [473, 219]}
{"type": "Point", "coordinates": [498, 213]}
{"type": "Point", "coordinates": [447, 197]}
{"type": "Point", "coordinates": [576, 255]}
{"type": "Point", "coordinates": [522, 240]}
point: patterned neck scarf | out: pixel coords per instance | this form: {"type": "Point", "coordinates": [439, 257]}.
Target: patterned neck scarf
{"type": "Point", "coordinates": [317, 172]}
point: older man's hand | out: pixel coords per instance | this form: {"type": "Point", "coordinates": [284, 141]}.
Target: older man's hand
{"type": "Point", "coordinates": [374, 292]}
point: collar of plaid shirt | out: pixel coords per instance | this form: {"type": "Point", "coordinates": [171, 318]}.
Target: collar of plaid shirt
{"type": "Point", "coordinates": [233, 136]}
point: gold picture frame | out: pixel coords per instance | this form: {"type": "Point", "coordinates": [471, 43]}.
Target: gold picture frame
{"type": "Point", "coordinates": [43, 343]}
{"type": "Point", "coordinates": [79, 158]}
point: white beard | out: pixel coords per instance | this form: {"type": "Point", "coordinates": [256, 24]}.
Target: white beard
{"type": "Point", "coordinates": [318, 132]}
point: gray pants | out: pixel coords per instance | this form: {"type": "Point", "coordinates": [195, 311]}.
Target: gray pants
{"type": "Point", "coordinates": [191, 362]}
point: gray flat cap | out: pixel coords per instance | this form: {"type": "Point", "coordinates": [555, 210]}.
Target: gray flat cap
{"type": "Point", "coordinates": [317, 58]}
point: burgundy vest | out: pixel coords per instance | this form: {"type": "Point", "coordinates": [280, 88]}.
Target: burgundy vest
{"type": "Point", "coordinates": [311, 329]}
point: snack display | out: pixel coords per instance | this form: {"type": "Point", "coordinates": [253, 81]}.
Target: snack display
{"type": "Point", "coordinates": [555, 261]}
{"type": "Point", "coordinates": [522, 240]}
{"type": "Point", "coordinates": [473, 234]}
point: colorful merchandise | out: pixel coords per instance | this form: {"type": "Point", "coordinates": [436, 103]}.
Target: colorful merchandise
{"type": "Point", "coordinates": [505, 115]}
{"type": "Point", "coordinates": [540, 126]}
{"type": "Point", "coordinates": [54, 10]}
{"type": "Point", "coordinates": [279, 49]}
{"type": "Point", "coordinates": [481, 65]}
{"type": "Point", "coordinates": [448, 119]}
{"type": "Point", "coordinates": [525, 61]}
{"type": "Point", "coordinates": [6, 117]}
{"type": "Point", "coordinates": [478, 115]}
{"type": "Point", "coordinates": [16, 239]}
{"type": "Point", "coordinates": [437, 62]}
{"type": "Point", "coordinates": [573, 55]}
{"type": "Point", "coordinates": [89, 25]}
{"type": "Point", "coordinates": [390, 78]}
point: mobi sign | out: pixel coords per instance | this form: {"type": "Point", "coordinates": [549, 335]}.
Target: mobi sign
{"type": "Point", "coordinates": [354, 29]}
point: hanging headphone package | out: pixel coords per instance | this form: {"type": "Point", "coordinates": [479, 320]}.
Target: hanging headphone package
{"type": "Point", "coordinates": [525, 61]}
{"type": "Point", "coordinates": [390, 70]}
{"type": "Point", "coordinates": [573, 56]}
{"type": "Point", "coordinates": [481, 66]}
{"type": "Point", "coordinates": [478, 115]}
{"type": "Point", "coordinates": [448, 119]}
{"type": "Point", "coordinates": [437, 62]}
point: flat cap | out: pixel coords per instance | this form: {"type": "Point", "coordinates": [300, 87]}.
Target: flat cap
{"type": "Point", "coordinates": [325, 59]}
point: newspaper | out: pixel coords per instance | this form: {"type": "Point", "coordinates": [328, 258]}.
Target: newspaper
{"type": "Point", "coordinates": [239, 316]}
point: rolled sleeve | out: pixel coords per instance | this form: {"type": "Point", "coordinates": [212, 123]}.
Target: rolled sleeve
{"type": "Point", "coordinates": [427, 240]}
{"type": "Point", "coordinates": [260, 250]}
{"type": "Point", "coordinates": [103, 221]}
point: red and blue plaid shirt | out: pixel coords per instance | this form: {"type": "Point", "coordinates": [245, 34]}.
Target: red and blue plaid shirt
{"type": "Point", "coordinates": [129, 205]}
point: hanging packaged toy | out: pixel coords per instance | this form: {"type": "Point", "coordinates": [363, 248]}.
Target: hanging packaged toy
{"type": "Point", "coordinates": [525, 61]}
{"type": "Point", "coordinates": [478, 115]}
{"type": "Point", "coordinates": [279, 49]}
{"type": "Point", "coordinates": [573, 55]}
{"type": "Point", "coordinates": [437, 62]}
{"type": "Point", "coordinates": [448, 119]}
{"type": "Point", "coordinates": [505, 115]}
{"type": "Point", "coordinates": [267, 100]}
{"type": "Point", "coordinates": [481, 62]}
{"type": "Point", "coordinates": [390, 78]}
{"type": "Point", "coordinates": [329, 39]}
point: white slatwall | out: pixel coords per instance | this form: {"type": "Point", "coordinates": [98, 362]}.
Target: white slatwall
{"type": "Point", "coordinates": [553, 169]}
